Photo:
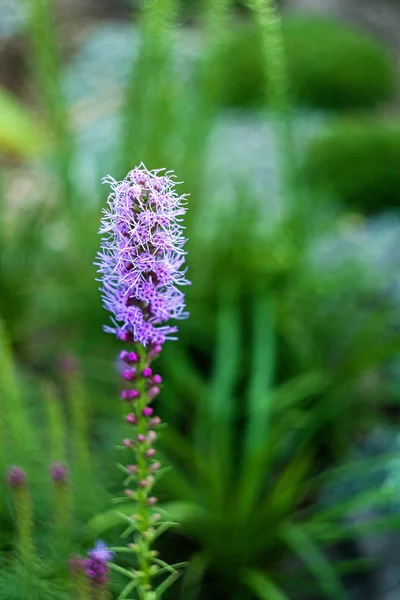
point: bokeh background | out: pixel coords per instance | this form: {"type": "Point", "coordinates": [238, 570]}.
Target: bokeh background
{"type": "Point", "coordinates": [283, 392]}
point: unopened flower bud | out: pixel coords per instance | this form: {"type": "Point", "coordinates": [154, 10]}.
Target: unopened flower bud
{"type": "Point", "coordinates": [131, 418]}
{"type": "Point", "coordinates": [16, 477]}
{"type": "Point", "coordinates": [150, 453]}
{"type": "Point", "coordinates": [153, 392]}
{"type": "Point", "coordinates": [129, 374]}
{"type": "Point", "coordinates": [124, 355]}
{"type": "Point", "coordinates": [155, 351]}
{"type": "Point", "coordinates": [59, 473]}
{"type": "Point", "coordinates": [156, 379]}
{"type": "Point", "coordinates": [151, 436]}
{"type": "Point", "coordinates": [147, 412]}
{"type": "Point", "coordinates": [147, 372]}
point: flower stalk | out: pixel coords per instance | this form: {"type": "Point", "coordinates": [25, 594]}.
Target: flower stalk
{"type": "Point", "coordinates": [62, 502]}
{"type": "Point", "coordinates": [22, 504]}
{"type": "Point", "coordinates": [141, 271]}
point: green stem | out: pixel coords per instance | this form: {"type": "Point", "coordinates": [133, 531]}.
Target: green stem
{"type": "Point", "coordinates": [24, 523]}
{"type": "Point", "coordinates": [63, 513]}
{"type": "Point", "coordinates": [142, 463]}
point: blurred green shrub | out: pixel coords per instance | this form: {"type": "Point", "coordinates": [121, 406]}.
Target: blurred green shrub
{"type": "Point", "coordinates": [19, 133]}
{"type": "Point", "coordinates": [330, 65]}
{"type": "Point", "coordinates": [358, 162]}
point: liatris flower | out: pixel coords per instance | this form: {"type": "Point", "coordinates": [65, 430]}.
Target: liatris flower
{"type": "Point", "coordinates": [18, 482]}
{"type": "Point", "coordinates": [16, 477]}
{"type": "Point", "coordinates": [59, 473]}
{"type": "Point", "coordinates": [142, 255]}
{"type": "Point", "coordinates": [96, 565]}
{"type": "Point", "coordinates": [142, 269]}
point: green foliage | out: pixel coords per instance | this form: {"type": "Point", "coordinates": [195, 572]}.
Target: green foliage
{"type": "Point", "coordinates": [246, 511]}
{"type": "Point", "coordinates": [330, 66]}
{"type": "Point", "coordinates": [19, 135]}
{"type": "Point", "coordinates": [268, 370]}
{"type": "Point", "coordinates": [356, 160]}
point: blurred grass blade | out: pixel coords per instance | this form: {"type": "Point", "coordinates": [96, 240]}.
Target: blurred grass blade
{"type": "Point", "coordinates": [218, 428]}
{"type": "Point", "coordinates": [46, 63]}
{"type": "Point", "coordinates": [261, 379]}
{"type": "Point", "coordinates": [56, 424]}
{"type": "Point", "coordinates": [14, 416]}
{"type": "Point", "coordinates": [332, 532]}
{"type": "Point", "coordinates": [192, 577]}
{"type": "Point", "coordinates": [262, 586]}
{"type": "Point", "coordinates": [359, 501]}
{"type": "Point", "coordinates": [148, 112]}
{"type": "Point", "coordinates": [88, 491]}
{"type": "Point", "coordinates": [315, 561]}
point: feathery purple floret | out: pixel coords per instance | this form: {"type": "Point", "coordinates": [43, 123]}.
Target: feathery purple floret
{"type": "Point", "coordinates": [96, 565]}
{"type": "Point", "coordinates": [142, 256]}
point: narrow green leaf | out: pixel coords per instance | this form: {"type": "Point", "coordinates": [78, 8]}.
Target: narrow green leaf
{"type": "Point", "coordinates": [358, 501]}
{"type": "Point", "coordinates": [127, 589]}
{"type": "Point", "coordinates": [193, 575]}
{"type": "Point", "coordinates": [261, 379]}
{"type": "Point", "coordinates": [262, 586]}
{"type": "Point", "coordinates": [220, 400]}
{"type": "Point", "coordinates": [122, 571]}
{"type": "Point", "coordinates": [315, 561]}
{"type": "Point", "coordinates": [167, 583]}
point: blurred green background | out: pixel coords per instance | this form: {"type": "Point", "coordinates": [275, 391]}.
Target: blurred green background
{"type": "Point", "coordinates": [282, 394]}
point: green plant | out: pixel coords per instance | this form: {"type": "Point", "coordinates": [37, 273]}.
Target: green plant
{"type": "Point", "coordinates": [330, 65]}
{"type": "Point", "coordinates": [244, 479]}
{"type": "Point", "coordinates": [42, 521]}
{"type": "Point", "coordinates": [356, 161]}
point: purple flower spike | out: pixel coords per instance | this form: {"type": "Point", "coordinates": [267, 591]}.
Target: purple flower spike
{"type": "Point", "coordinates": [16, 477]}
{"type": "Point", "coordinates": [141, 262]}
{"type": "Point", "coordinates": [59, 473]}
{"type": "Point", "coordinates": [96, 566]}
